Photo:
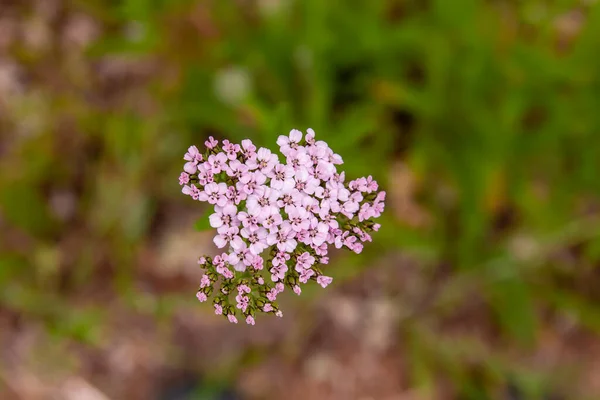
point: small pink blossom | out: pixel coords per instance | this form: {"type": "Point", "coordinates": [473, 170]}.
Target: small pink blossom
{"type": "Point", "coordinates": [214, 193]}
{"type": "Point", "coordinates": [324, 280]}
{"type": "Point", "coordinates": [280, 258]}
{"type": "Point", "coordinates": [250, 320]}
{"type": "Point", "coordinates": [286, 143]}
{"type": "Point", "coordinates": [243, 289]}
{"type": "Point", "coordinates": [306, 275]}
{"type": "Point", "coordinates": [278, 272]}
{"type": "Point", "coordinates": [224, 216]}
{"type": "Point", "coordinates": [304, 261]}
{"type": "Point", "coordinates": [191, 167]}
{"type": "Point", "coordinates": [230, 149]}
{"type": "Point", "coordinates": [211, 143]}
{"type": "Point", "coordinates": [184, 179]}
{"type": "Point", "coordinates": [205, 281]}
{"type": "Point", "coordinates": [193, 154]}
{"type": "Point", "coordinates": [201, 297]}
{"type": "Point", "coordinates": [228, 235]}
{"type": "Point", "coordinates": [232, 319]}
{"type": "Point", "coordinates": [248, 149]}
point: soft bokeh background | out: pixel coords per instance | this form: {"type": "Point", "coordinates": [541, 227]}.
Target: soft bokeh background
{"type": "Point", "coordinates": [480, 118]}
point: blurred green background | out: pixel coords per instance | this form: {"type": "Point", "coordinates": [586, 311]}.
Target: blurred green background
{"type": "Point", "coordinates": [481, 119]}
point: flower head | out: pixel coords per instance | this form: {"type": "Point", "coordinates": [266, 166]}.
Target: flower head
{"type": "Point", "coordinates": [275, 220]}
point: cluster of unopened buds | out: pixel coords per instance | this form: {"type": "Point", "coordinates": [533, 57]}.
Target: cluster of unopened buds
{"type": "Point", "coordinates": [275, 221]}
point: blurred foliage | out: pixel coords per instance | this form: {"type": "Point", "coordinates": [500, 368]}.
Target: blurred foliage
{"type": "Point", "coordinates": [491, 105]}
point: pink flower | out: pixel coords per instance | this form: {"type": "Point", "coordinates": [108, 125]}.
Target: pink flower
{"type": "Point", "coordinates": [286, 143]}
{"type": "Point", "coordinates": [299, 218]}
{"type": "Point", "coordinates": [250, 320]}
{"type": "Point", "coordinates": [243, 289]}
{"type": "Point", "coordinates": [201, 297]}
{"type": "Point", "coordinates": [218, 309]}
{"type": "Point", "coordinates": [250, 181]}
{"type": "Point", "coordinates": [257, 263]}
{"type": "Point", "coordinates": [230, 149]}
{"type": "Point", "coordinates": [349, 208]}
{"type": "Point", "coordinates": [289, 198]}
{"type": "Point", "coordinates": [236, 169]}
{"type": "Point", "coordinates": [211, 143]}
{"type": "Point", "coordinates": [204, 175]}
{"type": "Point", "coordinates": [184, 179]}
{"type": "Point", "coordinates": [320, 250]}
{"type": "Point", "coordinates": [378, 208]}
{"type": "Point", "coordinates": [317, 232]}
{"type": "Point", "coordinates": [298, 159]}
{"type": "Point", "coordinates": [205, 281]}
{"type": "Point", "coordinates": [279, 287]}
{"type": "Point", "coordinates": [365, 212]}
{"type": "Point", "coordinates": [272, 221]}
{"type": "Point", "coordinates": [310, 204]}
{"type": "Point", "coordinates": [265, 161]}
{"type": "Point", "coordinates": [283, 238]}
{"type": "Point", "coordinates": [297, 290]}
{"type": "Point", "coordinates": [324, 280]}
{"type": "Point", "coordinates": [278, 272]}
{"type": "Point", "coordinates": [324, 170]}
{"type": "Point", "coordinates": [193, 155]}
{"type": "Point", "coordinates": [305, 275]}
{"type": "Point", "coordinates": [371, 185]}
{"type": "Point", "coordinates": [191, 191]}
{"type": "Point", "coordinates": [256, 238]}
{"type": "Point", "coordinates": [362, 235]}
{"type": "Point", "coordinates": [234, 195]}
{"type": "Point", "coordinates": [242, 302]}
{"type": "Point", "coordinates": [305, 182]}
{"type": "Point", "coordinates": [191, 167]}
{"type": "Point", "coordinates": [232, 319]}
{"type": "Point", "coordinates": [267, 307]}
{"type": "Point", "coordinates": [225, 272]}
{"type": "Point", "coordinates": [263, 202]}
{"type": "Point", "coordinates": [217, 162]}
{"type": "Point", "coordinates": [340, 238]}
{"type": "Point", "coordinates": [248, 149]}
{"type": "Point", "coordinates": [272, 294]}
{"type": "Point", "coordinates": [202, 260]}
{"type": "Point", "coordinates": [280, 258]}
{"type": "Point", "coordinates": [281, 176]}
{"type": "Point", "coordinates": [310, 136]}
{"type": "Point", "coordinates": [224, 216]}
{"type": "Point", "coordinates": [357, 247]}
{"type": "Point", "coordinates": [328, 219]}
{"type": "Point", "coordinates": [304, 261]}
{"type": "Point", "coordinates": [228, 235]}
{"type": "Point", "coordinates": [250, 221]}
{"type": "Point", "coordinates": [214, 193]}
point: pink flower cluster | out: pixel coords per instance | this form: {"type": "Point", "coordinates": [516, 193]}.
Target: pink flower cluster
{"type": "Point", "coordinates": [275, 221]}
